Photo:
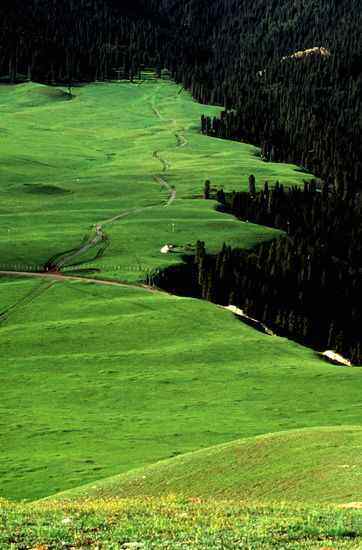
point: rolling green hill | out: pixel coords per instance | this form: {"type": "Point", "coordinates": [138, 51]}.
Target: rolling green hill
{"type": "Point", "coordinates": [97, 380]}
{"type": "Point", "coordinates": [310, 465]}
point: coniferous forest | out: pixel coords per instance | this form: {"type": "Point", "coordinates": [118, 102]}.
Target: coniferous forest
{"type": "Point", "coordinates": [289, 77]}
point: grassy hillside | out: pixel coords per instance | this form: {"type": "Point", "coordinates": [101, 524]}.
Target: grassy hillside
{"type": "Point", "coordinates": [170, 523]}
{"type": "Point", "coordinates": [97, 380]}
{"type": "Point", "coordinates": [310, 465]}
{"type": "Point", "coordinates": [68, 164]}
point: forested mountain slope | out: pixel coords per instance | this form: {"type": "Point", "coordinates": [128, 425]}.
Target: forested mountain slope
{"type": "Point", "coordinates": [63, 40]}
{"type": "Point", "coordinates": [305, 109]}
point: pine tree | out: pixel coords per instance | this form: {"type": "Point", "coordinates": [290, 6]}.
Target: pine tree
{"type": "Point", "coordinates": [252, 185]}
{"type": "Point", "coordinates": [207, 188]}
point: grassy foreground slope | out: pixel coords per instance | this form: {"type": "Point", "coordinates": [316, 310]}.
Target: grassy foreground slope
{"type": "Point", "coordinates": [309, 465]}
{"type": "Point", "coordinates": [98, 380]}
{"type": "Point", "coordinates": [170, 523]}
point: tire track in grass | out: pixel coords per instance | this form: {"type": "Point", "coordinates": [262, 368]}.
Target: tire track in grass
{"type": "Point", "coordinates": [99, 237]}
{"type": "Point", "coordinates": [25, 300]}
{"type": "Point", "coordinates": [61, 260]}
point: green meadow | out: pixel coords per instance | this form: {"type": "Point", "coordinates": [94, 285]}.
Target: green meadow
{"type": "Point", "coordinates": [100, 380]}
{"type": "Point", "coordinates": [168, 523]}
{"type": "Point", "coordinates": [68, 164]}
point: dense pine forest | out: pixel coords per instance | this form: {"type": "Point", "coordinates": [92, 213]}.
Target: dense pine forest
{"type": "Point", "coordinates": [66, 41]}
{"type": "Point", "coordinates": [304, 108]}
{"type": "Point", "coordinates": [289, 76]}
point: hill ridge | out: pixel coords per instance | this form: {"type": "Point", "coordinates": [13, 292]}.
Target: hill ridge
{"type": "Point", "coordinates": [305, 465]}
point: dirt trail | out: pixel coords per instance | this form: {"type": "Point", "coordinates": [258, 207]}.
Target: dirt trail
{"type": "Point", "coordinates": [166, 164]}
{"type": "Point", "coordinates": [172, 190]}
{"type": "Point", "coordinates": [126, 213]}
{"type": "Point", "coordinates": [99, 237]}
{"type": "Point", "coordinates": [181, 140]}
{"type": "Point", "coordinates": [63, 277]}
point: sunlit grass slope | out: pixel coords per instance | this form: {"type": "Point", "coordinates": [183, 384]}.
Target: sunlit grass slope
{"type": "Point", "coordinates": [309, 465]}
{"type": "Point", "coordinates": [169, 523]}
{"type": "Point", "coordinates": [68, 164]}
{"type": "Point", "coordinates": [98, 380]}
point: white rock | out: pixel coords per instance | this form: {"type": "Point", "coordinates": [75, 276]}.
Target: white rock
{"type": "Point", "coordinates": [167, 249]}
{"type": "Point", "coordinates": [336, 358]}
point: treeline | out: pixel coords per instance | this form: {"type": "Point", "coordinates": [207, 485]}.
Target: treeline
{"type": "Point", "coordinates": [305, 284]}
{"type": "Point", "coordinates": [75, 40]}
